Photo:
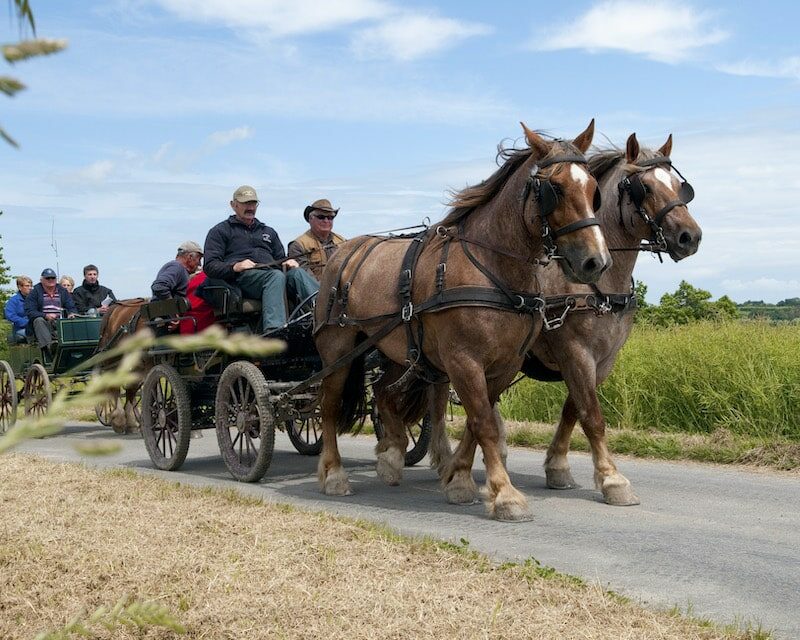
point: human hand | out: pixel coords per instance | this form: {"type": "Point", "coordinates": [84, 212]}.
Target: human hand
{"type": "Point", "coordinates": [71, 315]}
{"type": "Point", "coordinates": [291, 263]}
{"type": "Point", "coordinates": [102, 309]}
{"type": "Point", "coordinates": [51, 316]}
{"type": "Point", "coordinates": [172, 325]}
{"type": "Point", "coordinates": [244, 265]}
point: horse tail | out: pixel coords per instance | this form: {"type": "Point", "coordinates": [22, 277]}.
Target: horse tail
{"type": "Point", "coordinates": [354, 396]}
{"type": "Point", "coordinates": [408, 401]}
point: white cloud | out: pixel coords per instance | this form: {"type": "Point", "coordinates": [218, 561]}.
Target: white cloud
{"type": "Point", "coordinates": [786, 68]}
{"type": "Point", "coordinates": [224, 138]}
{"type": "Point", "coordinates": [96, 172]}
{"type": "Point", "coordinates": [771, 288]}
{"type": "Point", "coordinates": [410, 36]}
{"type": "Point", "coordinates": [659, 30]}
{"type": "Point", "coordinates": [279, 17]}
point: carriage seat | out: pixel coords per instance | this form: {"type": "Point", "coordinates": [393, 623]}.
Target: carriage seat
{"type": "Point", "coordinates": [228, 301]}
{"type": "Point", "coordinates": [169, 308]}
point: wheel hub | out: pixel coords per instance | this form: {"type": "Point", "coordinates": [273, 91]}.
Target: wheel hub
{"type": "Point", "coordinates": [241, 421]}
{"type": "Point", "coordinates": [161, 419]}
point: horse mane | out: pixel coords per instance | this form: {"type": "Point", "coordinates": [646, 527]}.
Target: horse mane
{"type": "Point", "coordinates": [602, 161]}
{"type": "Point", "coordinates": [470, 198]}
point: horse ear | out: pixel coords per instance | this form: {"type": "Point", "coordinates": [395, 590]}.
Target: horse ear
{"type": "Point", "coordinates": [666, 150]}
{"type": "Point", "coordinates": [584, 140]}
{"type": "Point", "coordinates": [631, 149]}
{"type": "Point", "coordinates": [536, 142]}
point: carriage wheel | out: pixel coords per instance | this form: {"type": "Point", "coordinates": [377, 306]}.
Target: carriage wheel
{"type": "Point", "coordinates": [104, 409]}
{"type": "Point", "coordinates": [244, 420]}
{"type": "Point", "coordinates": [419, 436]}
{"type": "Point", "coordinates": [8, 397]}
{"type": "Point", "coordinates": [37, 391]}
{"type": "Point", "coordinates": [306, 434]}
{"type": "Point", "coordinates": [166, 418]}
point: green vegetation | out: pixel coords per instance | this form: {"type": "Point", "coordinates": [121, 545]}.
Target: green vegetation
{"type": "Point", "coordinates": [743, 377]}
{"type": "Point", "coordinates": [688, 304]}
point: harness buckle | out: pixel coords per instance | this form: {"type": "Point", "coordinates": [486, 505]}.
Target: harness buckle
{"type": "Point", "coordinates": [407, 312]}
{"type": "Point", "coordinates": [442, 231]}
{"type": "Point", "coordinates": [521, 305]}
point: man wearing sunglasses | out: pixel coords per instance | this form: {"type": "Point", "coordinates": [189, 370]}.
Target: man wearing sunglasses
{"type": "Point", "coordinates": [313, 248]}
{"type": "Point", "coordinates": [244, 251]}
{"type": "Point", "coordinates": [46, 303]}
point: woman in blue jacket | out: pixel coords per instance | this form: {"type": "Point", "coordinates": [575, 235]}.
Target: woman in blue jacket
{"type": "Point", "coordinates": [15, 309]}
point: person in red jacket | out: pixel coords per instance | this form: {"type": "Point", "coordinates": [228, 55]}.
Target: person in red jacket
{"type": "Point", "coordinates": [201, 314]}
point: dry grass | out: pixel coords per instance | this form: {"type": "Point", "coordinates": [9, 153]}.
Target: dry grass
{"type": "Point", "coordinates": [73, 539]}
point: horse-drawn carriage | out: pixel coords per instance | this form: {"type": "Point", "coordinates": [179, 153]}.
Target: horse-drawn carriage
{"type": "Point", "coordinates": [31, 374]}
{"type": "Point", "coordinates": [243, 399]}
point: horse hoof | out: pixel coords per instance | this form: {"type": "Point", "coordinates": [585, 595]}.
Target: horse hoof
{"type": "Point", "coordinates": [559, 479]}
{"type": "Point", "coordinates": [462, 494]}
{"type": "Point", "coordinates": [118, 428]}
{"type": "Point", "coordinates": [337, 484]}
{"type": "Point", "coordinates": [390, 467]}
{"type": "Point", "coordinates": [511, 511]}
{"type": "Point", "coordinates": [618, 493]}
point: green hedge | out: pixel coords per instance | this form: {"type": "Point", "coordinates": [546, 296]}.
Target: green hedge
{"type": "Point", "coordinates": [744, 376]}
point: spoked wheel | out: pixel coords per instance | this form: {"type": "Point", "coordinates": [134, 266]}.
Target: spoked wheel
{"type": "Point", "coordinates": [166, 418]}
{"type": "Point", "coordinates": [104, 409]}
{"type": "Point", "coordinates": [306, 434]}
{"type": "Point", "coordinates": [37, 391]}
{"type": "Point", "coordinates": [8, 397]}
{"type": "Point", "coordinates": [419, 436]}
{"type": "Point", "coordinates": [244, 421]}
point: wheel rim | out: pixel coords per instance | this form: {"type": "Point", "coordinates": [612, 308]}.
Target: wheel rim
{"type": "Point", "coordinates": [37, 392]}
{"type": "Point", "coordinates": [244, 420]}
{"type": "Point", "coordinates": [165, 418]}
{"type": "Point", "coordinates": [8, 397]}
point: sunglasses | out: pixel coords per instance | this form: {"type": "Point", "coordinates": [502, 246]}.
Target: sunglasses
{"type": "Point", "coordinates": [320, 216]}
{"type": "Point", "coordinates": [49, 277]}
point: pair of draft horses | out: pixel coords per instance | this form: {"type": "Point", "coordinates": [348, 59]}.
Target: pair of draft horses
{"type": "Point", "coordinates": [465, 303]}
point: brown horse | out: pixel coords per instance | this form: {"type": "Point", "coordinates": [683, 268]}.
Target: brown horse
{"type": "Point", "coordinates": [642, 201]}
{"type": "Point", "coordinates": [458, 302]}
{"type": "Point", "coordinates": [121, 321]}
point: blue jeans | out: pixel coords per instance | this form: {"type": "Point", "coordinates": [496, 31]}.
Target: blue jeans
{"type": "Point", "coordinates": [268, 285]}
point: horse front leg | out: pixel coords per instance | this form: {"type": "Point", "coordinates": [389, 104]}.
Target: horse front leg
{"type": "Point", "coordinates": [390, 450]}
{"type": "Point", "coordinates": [131, 422]}
{"type": "Point", "coordinates": [333, 479]}
{"type": "Point", "coordinates": [615, 487]}
{"type": "Point", "coordinates": [504, 502]}
{"type": "Point", "coordinates": [556, 465]}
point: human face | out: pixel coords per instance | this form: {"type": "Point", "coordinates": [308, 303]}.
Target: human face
{"type": "Point", "coordinates": [245, 211]}
{"type": "Point", "coordinates": [90, 276]}
{"type": "Point", "coordinates": [66, 284]}
{"type": "Point", "coordinates": [25, 288]}
{"type": "Point", "coordinates": [48, 283]}
{"type": "Point", "coordinates": [193, 261]}
{"type": "Point", "coordinates": [321, 224]}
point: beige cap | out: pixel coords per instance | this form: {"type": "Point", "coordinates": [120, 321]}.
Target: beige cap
{"type": "Point", "coordinates": [245, 193]}
{"type": "Point", "coordinates": [190, 247]}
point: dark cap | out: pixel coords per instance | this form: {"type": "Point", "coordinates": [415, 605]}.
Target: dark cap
{"type": "Point", "coordinates": [48, 273]}
{"type": "Point", "coordinates": [320, 205]}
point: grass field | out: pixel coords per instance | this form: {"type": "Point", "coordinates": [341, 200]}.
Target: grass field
{"type": "Point", "coordinates": [218, 565]}
{"type": "Point", "coordinates": [741, 377]}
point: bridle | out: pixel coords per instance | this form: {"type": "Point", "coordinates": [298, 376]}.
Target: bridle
{"type": "Point", "coordinates": [547, 196]}
{"type": "Point", "coordinates": [637, 191]}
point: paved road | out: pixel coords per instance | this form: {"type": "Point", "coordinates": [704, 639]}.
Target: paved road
{"type": "Point", "coordinates": [723, 542]}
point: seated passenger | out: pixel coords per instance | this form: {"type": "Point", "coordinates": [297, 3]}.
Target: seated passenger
{"type": "Point", "coordinates": [315, 246]}
{"type": "Point", "coordinates": [15, 309]}
{"type": "Point", "coordinates": [246, 252]}
{"type": "Point", "coordinates": [200, 310]}
{"type": "Point", "coordinates": [173, 278]}
{"type": "Point", "coordinates": [92, 297]}
{"type": "Point", "coordinates": [46, 303]}
{"type": "Point", "coordinates": [68, 283]}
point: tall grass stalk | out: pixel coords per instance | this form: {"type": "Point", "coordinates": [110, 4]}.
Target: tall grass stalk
{"type": "Point", "coordinates": [743, 376]}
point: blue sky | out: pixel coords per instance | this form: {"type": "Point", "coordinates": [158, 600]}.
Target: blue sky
{"type": "Point", "coordinates": [134, 138]}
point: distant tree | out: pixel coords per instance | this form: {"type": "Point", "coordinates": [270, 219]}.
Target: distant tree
{"type": "Point", "coordinates": [5, 277]}
{"type": "Point", "coordinates": [688, 304]}
{"type": "Point", "coordinates": [790, 302]}
{"type": "Point", "coordinates": [23, 50]}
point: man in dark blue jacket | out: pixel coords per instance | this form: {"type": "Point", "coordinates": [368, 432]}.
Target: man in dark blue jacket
{"type": "Point", "coordinates": [236, 248]}
{"type": "Point", "coordinates": [46, 303]}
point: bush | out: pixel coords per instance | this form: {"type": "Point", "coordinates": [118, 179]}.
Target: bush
{"type": "Point", "coordinates": [744, 376]}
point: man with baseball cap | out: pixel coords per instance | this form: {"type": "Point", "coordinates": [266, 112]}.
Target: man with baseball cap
{"type": "Point", "coordinates": [313, 248]}
{"type": "Point", "coordinates": [47, 302]}
{"type": "Point", "coordinates": [245, 251]}
{"type": "Point", "coordinates": [172, 280]}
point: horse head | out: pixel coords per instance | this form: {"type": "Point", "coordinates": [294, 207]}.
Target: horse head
{"type": "Point", "coordinates": [566, 197]}
{"type": "Point", "coordinates": [653, 201]}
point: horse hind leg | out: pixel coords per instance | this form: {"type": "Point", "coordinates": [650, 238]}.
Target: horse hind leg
{"type": "Point", "coordinates": [131, 422]}
{"type": "Point", "coordinates": [439, 451]}
{"type": "Point", "coordinates": [332, 476]}
{"type": "Point", "coordinates": [390, 450]}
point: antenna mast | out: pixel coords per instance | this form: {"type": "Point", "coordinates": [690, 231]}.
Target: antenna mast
{"type": "Point", "coordinates": [54, 242]}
